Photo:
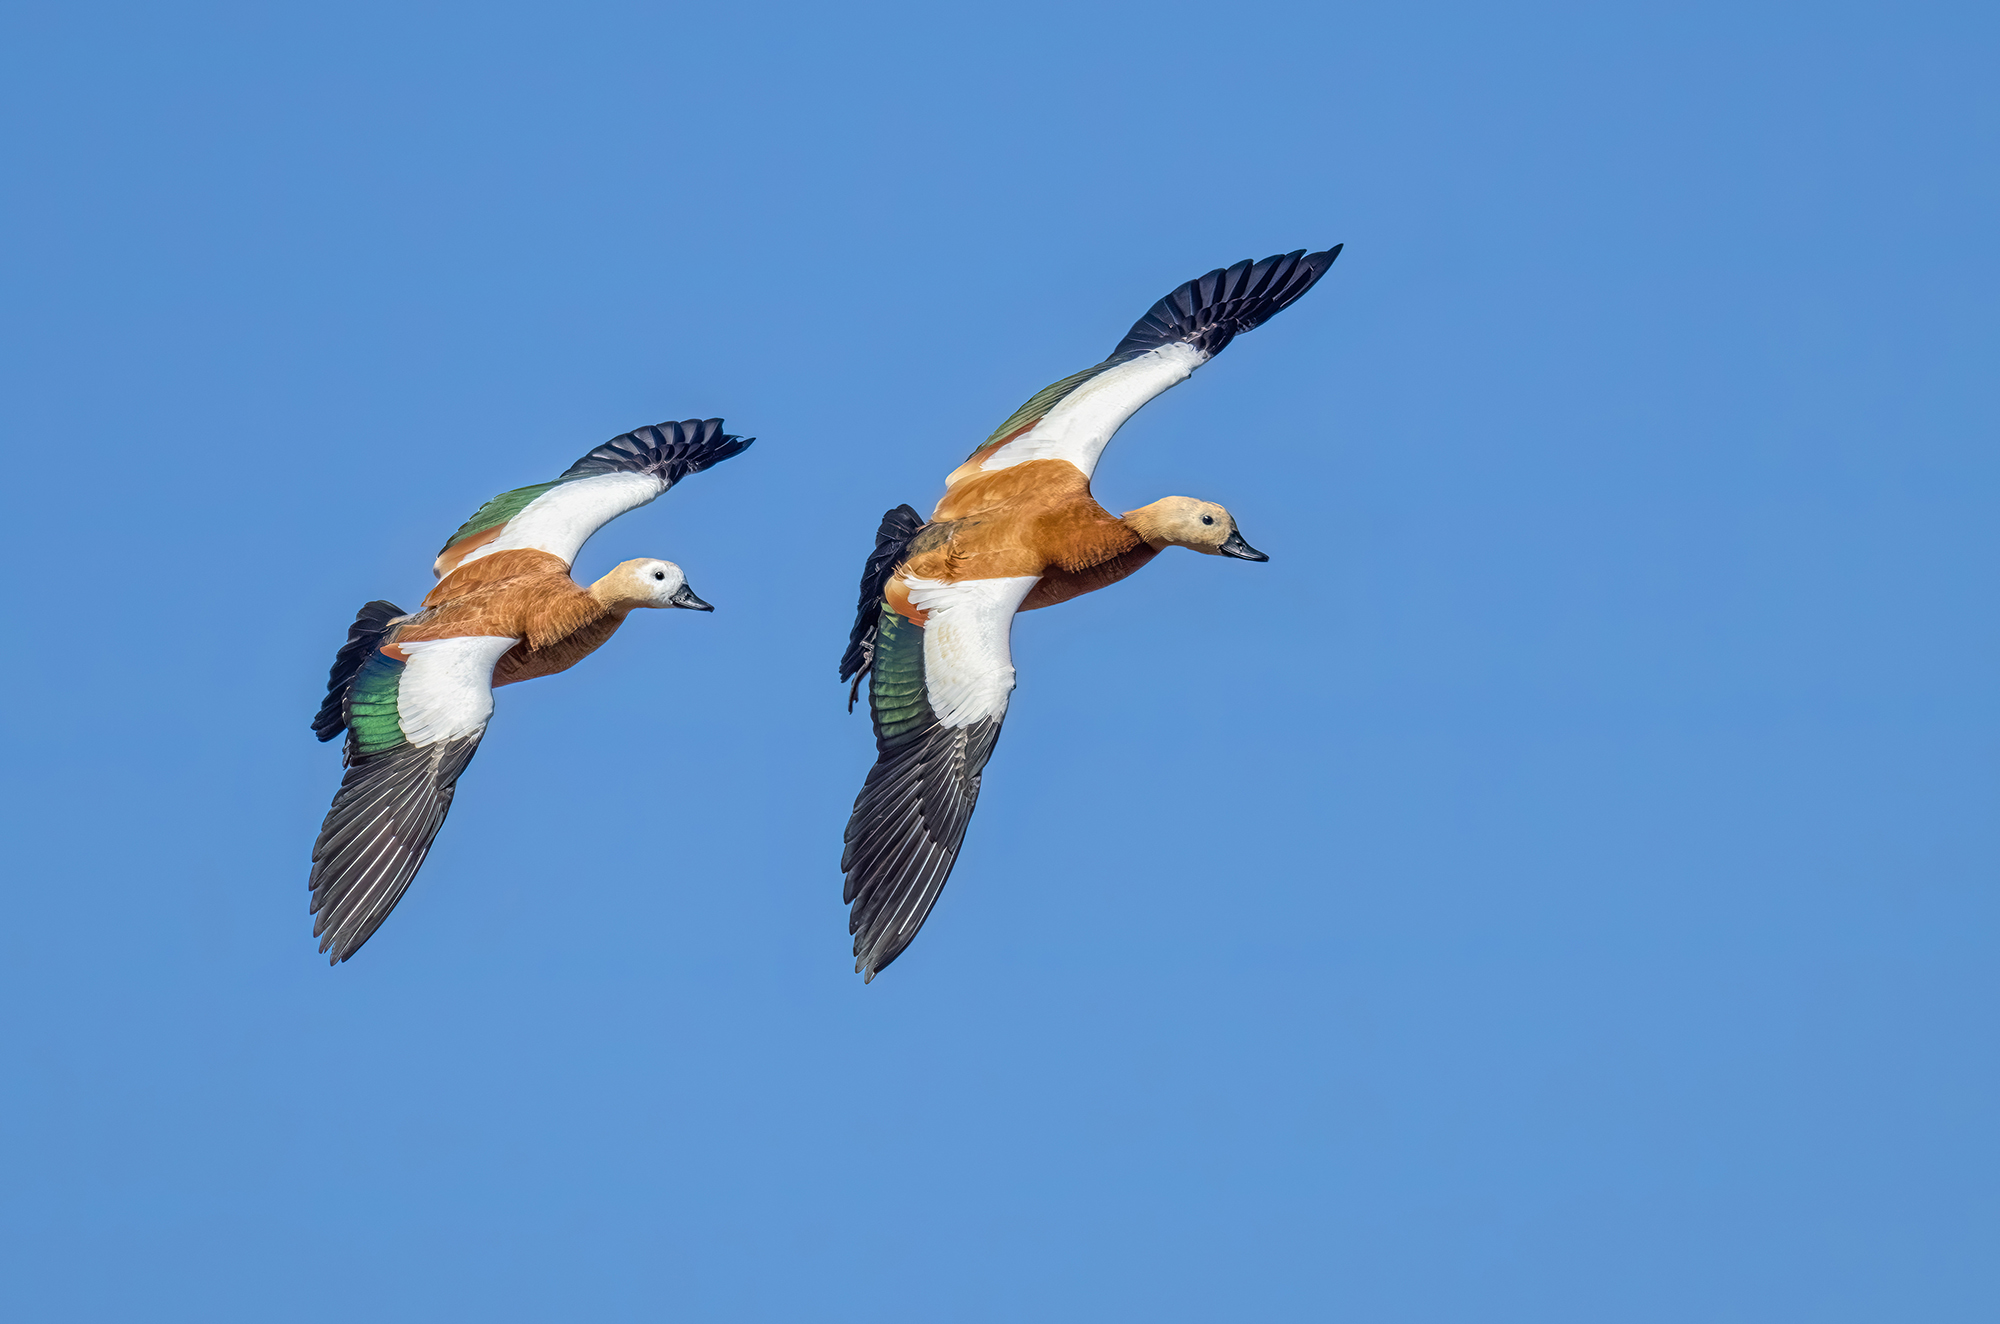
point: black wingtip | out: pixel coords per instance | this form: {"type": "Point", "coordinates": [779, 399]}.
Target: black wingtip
{"type": "Point", "coordinates": [375, 837]}
{"type": "Point", "coordinates": [668, 450]}
{"type": "Point", "coordinates": [1210, 311]}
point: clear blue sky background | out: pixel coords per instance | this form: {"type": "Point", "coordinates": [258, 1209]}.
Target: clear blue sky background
{"type": "Point", "coordinates": [1558, 887]}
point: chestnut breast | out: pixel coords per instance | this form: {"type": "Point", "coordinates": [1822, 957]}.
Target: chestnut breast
{"type": "Point", "coordinates": [523, 662]}
{"type": "Point", "coordinates": [1021, 520]}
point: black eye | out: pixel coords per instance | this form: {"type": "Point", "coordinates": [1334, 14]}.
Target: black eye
{"type": "Point", "coordinates": [659, 574]}
{"type": "Point", "coordinates": [1208, 519]}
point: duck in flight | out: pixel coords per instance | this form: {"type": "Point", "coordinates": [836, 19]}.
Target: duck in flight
{"type": "Point", "coordinates": [1017, 529]}
{"type": "Point", "coordinates": [414, 690]}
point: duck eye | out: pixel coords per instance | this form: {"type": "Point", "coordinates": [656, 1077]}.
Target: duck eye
{"type": "Point", "coordinates": [1208, 519]}
{"type": "Point", "coordinates": [659, 574]}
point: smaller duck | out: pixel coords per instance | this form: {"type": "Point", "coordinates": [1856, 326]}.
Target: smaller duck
{"type": "Point", "coordinates": [414, 691]}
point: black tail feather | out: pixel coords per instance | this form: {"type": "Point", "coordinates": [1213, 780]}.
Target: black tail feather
{"type": "Point", "coordinates": [1212, 310]}
{"type": "Point", "coordinates": [370, 624]}
{"type": "Point", "coordinates": [892, 541]}
{"type": "Point", "coordinates": [670, 450]}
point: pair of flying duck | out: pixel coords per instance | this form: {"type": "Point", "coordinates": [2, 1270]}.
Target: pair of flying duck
{"type": "Point", "coordinates": [1017, 529]}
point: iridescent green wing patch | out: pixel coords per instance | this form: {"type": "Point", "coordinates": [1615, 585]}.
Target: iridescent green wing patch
{"type": "Point", "coordinates": [1039, 404]}
{"type": "Point", "coordinates": [372, 723]}
{"type": "Point", "coordinates": [499, 510]}
{"type": "Point", "coordinates": [896, 693]}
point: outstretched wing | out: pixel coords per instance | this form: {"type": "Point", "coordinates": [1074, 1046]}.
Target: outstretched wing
{"type": "Point", "coordinates": [1076, 417]}
{"type": "Point", "coordinates": [623, 474]}
{"type": "Point", "coordinates": [415, 713]}
{"type": "Point", "coordinates": [938, 692]}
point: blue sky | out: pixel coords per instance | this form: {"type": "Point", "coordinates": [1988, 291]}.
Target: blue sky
{"type": "Point", "coordinates": [1559, 886]}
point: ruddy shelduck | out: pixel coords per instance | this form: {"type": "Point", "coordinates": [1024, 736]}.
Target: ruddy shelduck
{"type": "Point", "coordinates": [1017, 529]}
{"type": "Point", "coordinates": [414, 691]}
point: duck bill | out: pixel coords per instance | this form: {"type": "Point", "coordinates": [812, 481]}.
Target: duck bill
{"type": "Point", "coordinates": [1239, 549]}
{"type": "Point", "coordinates": [684, 597]}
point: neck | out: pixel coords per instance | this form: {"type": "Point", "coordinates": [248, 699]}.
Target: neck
{"type": "Point", "coordinates": [1146, 521]}
{"type": "Point", "coordinates": [612, 596]}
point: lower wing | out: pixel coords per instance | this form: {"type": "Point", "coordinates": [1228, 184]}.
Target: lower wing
{"type": "Point", "coordinates": [414, 722]}
{"type": "Point", "coordinates": [938, 692]}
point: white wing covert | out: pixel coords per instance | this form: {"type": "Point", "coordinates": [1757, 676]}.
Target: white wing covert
{"type": "Point", "coordinates": [1075, 418]}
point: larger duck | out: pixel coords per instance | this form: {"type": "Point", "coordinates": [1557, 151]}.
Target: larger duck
{"type": "Point", "coordinates": [414, 691]}
{"type": "Point", "coordinates": [1017, 529]}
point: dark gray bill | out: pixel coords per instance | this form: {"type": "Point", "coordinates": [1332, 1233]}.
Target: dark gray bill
{"type": "Point", "coordinates": [684, 597]}
{"type": "Point", "coordinates": [1238, 548]}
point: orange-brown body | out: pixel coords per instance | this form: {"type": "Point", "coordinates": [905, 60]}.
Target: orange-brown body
{"type": "Point", "coordinates": [525, 594]}
{"type": "Point", "coordinates": [1034, 518]}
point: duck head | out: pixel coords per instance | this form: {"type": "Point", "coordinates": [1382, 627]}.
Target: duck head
{"type": "Point", "coordinates": [647, 583]}
{"type": "Point", "coordinates": [1200, 526]}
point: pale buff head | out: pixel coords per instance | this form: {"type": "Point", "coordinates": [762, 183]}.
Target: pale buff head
{"type": "Point", "coordinates": [1200, 526]}
{"type": "Point", "coordinates": [647, 583]}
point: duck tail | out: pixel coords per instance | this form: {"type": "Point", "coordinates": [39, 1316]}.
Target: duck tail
{"type": "Point", "coordinates": [1210, 311]}
{"type": "Point", "coordinates": [892, 542]}
{"type": "Point", "coordinates": [363, 637]}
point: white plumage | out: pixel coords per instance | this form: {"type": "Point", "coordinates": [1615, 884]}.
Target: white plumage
{"type": "Point", "coordinates": [968, 666]}
{"type": "Point", "coordinates": [561, 520]}
{"type": "Point", "coordinates": [446, 690]}
{"type": "Point", "coordinates": [1084, 421]}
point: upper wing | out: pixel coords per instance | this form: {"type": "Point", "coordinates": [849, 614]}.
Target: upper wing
{"type": "Point", "coordinates": [415, 713]}
{"type": "Point", "coordinates": [938, 692]}
{"type": "Point", "coordinates": [623, 474]}
{"type": "Point", "coordinates": [1075, 418]}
